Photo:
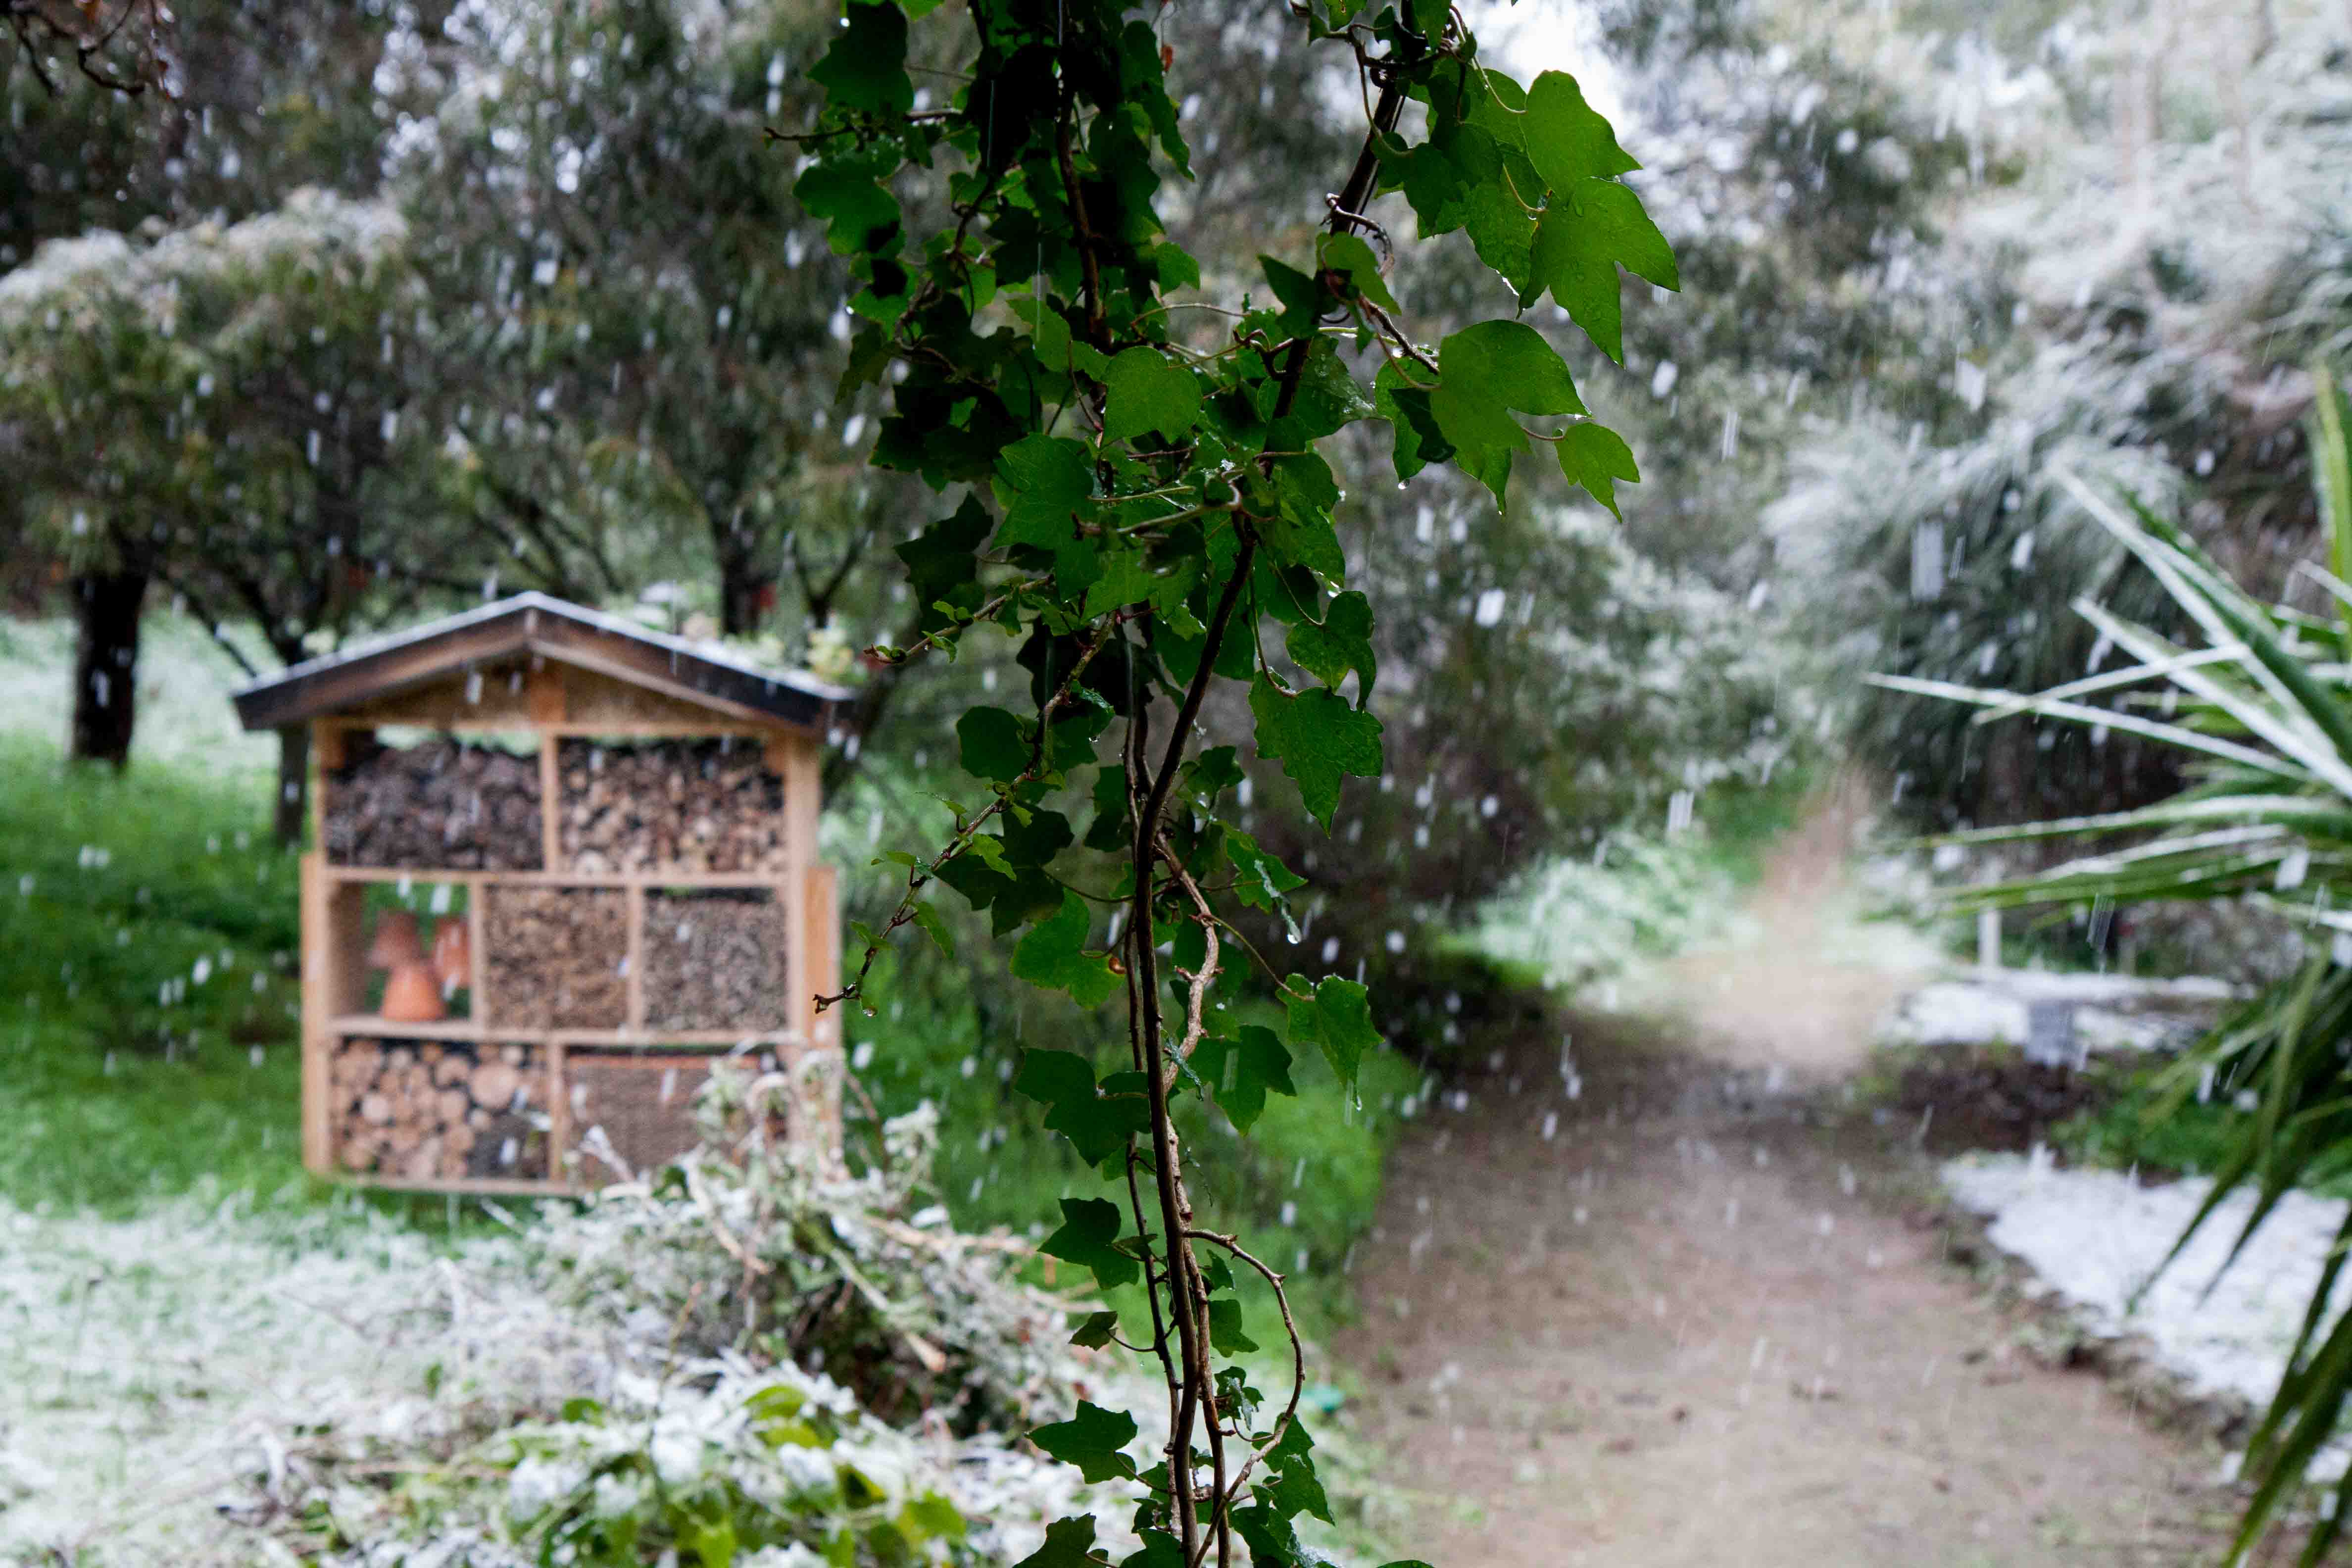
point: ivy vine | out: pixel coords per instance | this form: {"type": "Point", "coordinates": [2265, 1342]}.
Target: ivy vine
{"type": "Point", "coordinates": [1146, 510]}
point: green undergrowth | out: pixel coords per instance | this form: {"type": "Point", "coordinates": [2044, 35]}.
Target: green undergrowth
{"type": "Point", "coordinates": [149, 1044]}
{"type": "Point", "coordinates": [2141, 1124]}
{"type": "Point", "coordinates": [1301, 1188]}
{"type": "Point", "coordinates": [1580, 920]}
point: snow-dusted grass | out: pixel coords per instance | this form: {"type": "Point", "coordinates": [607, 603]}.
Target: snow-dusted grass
{"type": "Point", "coordinates": [149, 1365]}
{"type": "Point", "coordinates": [184, 718]}
{"type": "Point", "coordinates": [208, 1382]}
{"type": "Point", "coordinates": [2094, 1238]}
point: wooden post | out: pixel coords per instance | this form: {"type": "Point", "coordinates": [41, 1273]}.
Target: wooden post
{"type": "Point", "coordinates": [797, 757]}
{"type": "Point", "coordinates": [633, 956]}
{"type": "Point", "coordinates": [317, 1134]}
{"type": "Point", "coordinates": [558, 1110]}
{"type": "Point", "coordinates": [326, 756]}
{"type": "Point", "coordinates": [550, 824]}
{"type": "Point", "coordinates": [477, 962]}
{"type": "Point", "coordinates": [820, 971]}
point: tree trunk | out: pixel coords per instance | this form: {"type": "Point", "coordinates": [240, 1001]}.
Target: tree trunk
{"type": "Point", "coordinates": [106, 664]}
{"type": "Point", "coordinates": [286, 817]}
{"type": "Point", "coordinates": [745, 595]}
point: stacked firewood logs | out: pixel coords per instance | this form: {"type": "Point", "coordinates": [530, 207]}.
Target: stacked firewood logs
{"type": "Point", "coordinates": [715, 960]}
{"type": "Point", "coordinates": [426, 1111]}
{"type": "Point", "coordinates": [440, 805]}
{"type": "Point", "coordinates": [556, 958]}
{"type": "Point", "coordinates": [670, 805]}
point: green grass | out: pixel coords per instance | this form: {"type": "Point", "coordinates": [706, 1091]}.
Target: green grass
{"type": "Point", "coordinates": [124, 1077]}
{"type": "Point", "coordinates": [148, 1005]}
{"type": "Point", "coordinates": [150, 1010]}
{"type": "Point", "coordinates": [2139, 1127]}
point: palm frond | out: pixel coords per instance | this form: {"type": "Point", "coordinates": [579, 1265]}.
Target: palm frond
{"type": "Point", "coordinates": [2266, 707]}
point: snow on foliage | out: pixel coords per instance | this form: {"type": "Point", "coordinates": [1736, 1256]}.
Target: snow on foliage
{"type": "Point", "coordinates": [714, 1346]}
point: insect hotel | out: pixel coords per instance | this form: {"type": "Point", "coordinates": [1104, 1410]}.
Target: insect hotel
{"type": "Point", "coordinates": [561, 865]}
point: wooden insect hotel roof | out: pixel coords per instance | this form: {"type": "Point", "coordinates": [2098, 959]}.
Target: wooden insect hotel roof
{"type": "Point", "coordinates": [547, 630]}
{"type": "Point", "coordinates": [561, 866]}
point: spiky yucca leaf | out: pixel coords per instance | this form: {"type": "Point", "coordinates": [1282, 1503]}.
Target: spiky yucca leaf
{"type": "Point", "coordinates": [2264, 714]}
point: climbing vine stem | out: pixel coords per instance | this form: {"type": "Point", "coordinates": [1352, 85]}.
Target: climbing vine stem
{"type": "Point", "coordinates": [1140, 501]}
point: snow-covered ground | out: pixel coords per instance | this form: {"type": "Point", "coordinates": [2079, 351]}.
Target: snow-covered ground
{"type": "Point", "coordinates": [170, 1385]}
{"type": "Point", "coordinates": [149, 1365]}
{"type": "Point", "coordinates": [2094, 1239]}
{"type": "Point", "coordinates": [2108, 1011]}
{"type": "Point", "coordinates": [185, 720]}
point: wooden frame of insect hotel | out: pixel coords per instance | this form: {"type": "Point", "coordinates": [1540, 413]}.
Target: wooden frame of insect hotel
{"type": "Point", "coordinates": [561, 865]}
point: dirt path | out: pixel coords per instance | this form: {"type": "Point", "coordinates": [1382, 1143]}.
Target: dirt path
{"type": "Point", "coordinates": [1681, 1318]}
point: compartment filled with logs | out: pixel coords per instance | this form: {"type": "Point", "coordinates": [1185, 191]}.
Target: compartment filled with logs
{"type": "Point", "coordinates": [441, 805]}
{"type": "Point", "coordinates": [556, 958]}
{"type": "Point", "coordinates": [717, 958]}
{"type": "Point", "coordinates": [422, 1111]}
{"type": "Point", "coordinates": [690, 807]}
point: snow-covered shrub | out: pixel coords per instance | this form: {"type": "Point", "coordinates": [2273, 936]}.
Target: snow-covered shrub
{"type": "Point", "coordinates": [1583, 919]}
{"type": "Point", "coordinates": [745, 1246]}
{"type": "Point", "coordinates": [750, 1356]}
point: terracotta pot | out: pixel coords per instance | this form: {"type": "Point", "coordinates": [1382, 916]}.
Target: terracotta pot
{"type": "Point", "coordinates": [412, 996]}
{"type": "Point", "coordinates": [396, 941]}
{"type": "Point", "coordinates": [453, 954]}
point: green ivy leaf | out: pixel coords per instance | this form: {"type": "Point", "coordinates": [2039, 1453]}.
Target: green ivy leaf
{"type": "Point", "coordinates": [1097, 1124]}
{"type": "Point", "coordinates": [928, 917]}
{"type": "Point", "coordinates": [1091, 1440]}
{"type": "Point", "coordinates": [1300, 533]}
{"type": "Point", "coordinates": [1032, 836]}
{"type": "Point", "coordinates": [1293, 1487]}
{"type": "Point", "coordinates": [1328, 400]}
{"type": "Point", "coordinates": [1211, 773]}
{"type": "Point", "coordinates": [1342, 643]}
{"type": "Point", "coordinates": [1113, 827]}
{"type": "Point", "coordinates": [1145, 390]}
{"type": "Point", "coordinates": [1488, 370]}
{"type": "Point", "coordinates": [1503, 232]}
{"type": "Point", "coordinates": [1349, 256]}
{"type": "Point", "coordinates": [1089, 1238]}
{"type": "Point", "coordinates": [1240, 1072]}
{"type": "Point", "coordinates": [1318, 740]}
{"type": "Point", "coordinates": [1259, 878]}
{"type": "Point", "coordinates": [1069, 1544]}
{"type": "Point", "coordinates": [1419, 441]}
{"type": "Point", "coordinates": [1161, 1550]}
{"type": "Point", "coordinates": [1094, 1333]}
{"type": "Point", "coordinates": [943, 558]}
{"type": "Point", "coordinates": [1596, 456]}
{"type": "Point", "coordinates": [1046, 478]}
{"type": "Point", "coordinates": [1336, 1018]}
{"type": "Point", "coordinates": [1591, 230]}
{"type": "Point", "coordinates": [856, 210]}
{"type": "Point", "coordinates": [1567, 140]}
{"type": "Point", "coordinates": [1225, 1335]}
{"type": "Point", "coordinates": [1272, 1542]}
{"type": "Point", "coordinates": [993, 744]}
{"type": "Point", "coordinates": [1053, 955]}
{"type": "Point", "coordinates": [865, 69]}
{"type": "Point", "coordinates": [1127, 579]}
